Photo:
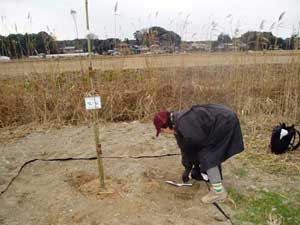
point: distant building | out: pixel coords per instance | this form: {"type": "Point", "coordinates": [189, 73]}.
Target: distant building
{"type": "Point", "coordinates": [134, 49]}
{"type": "Point", "coordinates": [222, 47]}
{"type": "Point", "coordinates": [139, 49]}
{"type": "Point", "coordinates": [155, 48]}
{"type": "Point", "coordinates": [123, 49]}
{"type": "Point", "coordinates": [143, 49]}
{"type": "Point", "coordinates": [70, 49]}
{"type": "Point", "coordinates": [237, 46]}
{"type": "Point", "coordinates": [198, 46]}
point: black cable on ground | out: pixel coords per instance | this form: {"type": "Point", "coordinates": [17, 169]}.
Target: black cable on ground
{"type": "Point", "coordinates": [82, 158]}
{"type": "Point", "coordinates": [220, 209]}
{"type": "Point", "coordinates": [104, 157]}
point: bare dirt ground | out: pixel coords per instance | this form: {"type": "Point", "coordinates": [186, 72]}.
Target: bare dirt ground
{"type": "Point", "coordinates": [65, 193]}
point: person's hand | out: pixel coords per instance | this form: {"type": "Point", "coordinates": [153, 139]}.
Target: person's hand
{"type": "Point", "coordinates": [185, 176]}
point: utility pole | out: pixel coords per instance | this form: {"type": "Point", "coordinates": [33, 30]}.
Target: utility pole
{"type": "Point", "coordinates": [96, 104]}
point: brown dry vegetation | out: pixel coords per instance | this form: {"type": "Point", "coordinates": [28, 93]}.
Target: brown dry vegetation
{"type": "Point", "coordinates": [25, 67]}
{"type": "Point", "coordinates": [129, 94]}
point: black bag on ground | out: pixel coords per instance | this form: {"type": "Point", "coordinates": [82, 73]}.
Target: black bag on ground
{"type": "Point", "coordinates": [283, 138]}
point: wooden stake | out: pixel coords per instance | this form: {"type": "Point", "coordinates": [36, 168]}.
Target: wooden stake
{"type": "Point", "coordinates": [95, 116]}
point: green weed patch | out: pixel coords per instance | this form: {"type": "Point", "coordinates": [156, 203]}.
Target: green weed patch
{"type": "Point", "coordinates": [262, 207]}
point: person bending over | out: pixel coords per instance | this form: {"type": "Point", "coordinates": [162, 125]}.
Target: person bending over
{"type": "Point", "coordinates": [207, 135]}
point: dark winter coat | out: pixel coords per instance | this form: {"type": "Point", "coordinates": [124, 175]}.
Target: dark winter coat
{"type": "Point", "coordinates": [207, 135]}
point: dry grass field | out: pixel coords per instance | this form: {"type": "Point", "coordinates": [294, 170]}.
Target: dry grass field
{"type": "Point", "coordinates": [42, 115]}
{"type": "Point", "coordinates": [53, 90]}
{"type": "Point", "coordinates": [27, 67]}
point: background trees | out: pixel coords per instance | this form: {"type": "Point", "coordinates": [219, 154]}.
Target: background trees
{"type": "Point", "coordinates": [19, 45]}
{"type": "Point", "coordinates": [157, 35]}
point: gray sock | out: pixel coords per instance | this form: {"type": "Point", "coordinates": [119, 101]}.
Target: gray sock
{"type": "Point", "coordinates": [214, 175]}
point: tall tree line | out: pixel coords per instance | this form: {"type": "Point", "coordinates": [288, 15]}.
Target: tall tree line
{"type": "Point", "coordinates": [19, 45]}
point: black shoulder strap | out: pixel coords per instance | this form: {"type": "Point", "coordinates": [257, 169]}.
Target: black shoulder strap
{"type": "Point", "coordinates": [298, 144]}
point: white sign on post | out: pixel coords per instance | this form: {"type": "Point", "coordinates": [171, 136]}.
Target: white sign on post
{"type": "Point", "coordinates": [92, 103]}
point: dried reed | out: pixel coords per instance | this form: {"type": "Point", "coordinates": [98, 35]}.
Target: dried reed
{"type": "Point", "coordinates": [135, 94]}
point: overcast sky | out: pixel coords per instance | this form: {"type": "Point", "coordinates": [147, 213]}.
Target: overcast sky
{"type": "Point", "coordinates": [192, 19]}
